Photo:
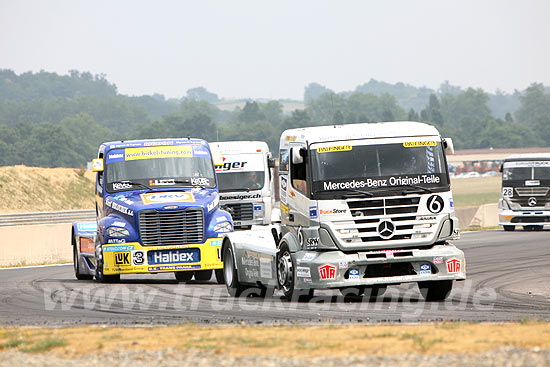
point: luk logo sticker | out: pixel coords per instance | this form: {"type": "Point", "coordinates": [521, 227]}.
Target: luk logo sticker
{"type": "Point", "coordinates": [122, 258]}
{"type": "Point", "coordinates": [453, 265]}
{"type": "Point", "coordinates": [327, 272]}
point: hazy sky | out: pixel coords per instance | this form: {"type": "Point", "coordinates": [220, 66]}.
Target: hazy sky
{"type": "Point", "coordinates": [273, 49]}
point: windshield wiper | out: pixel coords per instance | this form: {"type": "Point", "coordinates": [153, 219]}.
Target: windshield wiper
{"type": "Point", "coordinates": [247, 189]}
{"type": "Point", "coordinates": [417, 190]}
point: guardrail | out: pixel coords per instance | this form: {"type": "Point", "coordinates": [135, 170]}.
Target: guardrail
{"type": "Point", "coordinates": [66, 216]}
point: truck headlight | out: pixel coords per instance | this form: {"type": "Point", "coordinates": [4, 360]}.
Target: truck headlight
{"type": "Point", "coordinates": [502, 204]}
{"type": "Point", "coordinates": [117, 232]}
{"type": "Point", "coordinates": [547, 206]}
{"type": "Point", "coordinates": [223, 227]}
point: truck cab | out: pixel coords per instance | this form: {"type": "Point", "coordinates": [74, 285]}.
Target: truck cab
{"type": "Point", "coordinates": [363, 206]}
{"type": "Point", "coordinates": [157, 209]}
{"type": "Point", "coordinates": [525, 199]}
{"type": "Point", "coordinates": [246, 182]}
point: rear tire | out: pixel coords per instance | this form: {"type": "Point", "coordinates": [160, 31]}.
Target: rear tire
{"type": "Point", "coordinates": [76, 264]}
{"type": "Point", "coordinates": [183, 276]}
{"type": "Point", "coordinates": [509, 228]}
{"type": "Point", "coordinates": [219, 276]}
{"type": "Point", "coordinates": [234, 288]}
{"type": "Point", "coordinates": [434, 291]}
{"type": "Point", "coordinates": [203, 275]}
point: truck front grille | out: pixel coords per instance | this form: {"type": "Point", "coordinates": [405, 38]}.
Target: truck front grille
{"type": "Point", "coordinates": [532, 191]}
{"type": "Point", "coordinates": [168, 228]}
{"type": "Point", "coordinates": [240, 212]}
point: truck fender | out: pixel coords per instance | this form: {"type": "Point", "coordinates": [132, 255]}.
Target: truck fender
{"type": "Point", "coordinates": [291, 241]}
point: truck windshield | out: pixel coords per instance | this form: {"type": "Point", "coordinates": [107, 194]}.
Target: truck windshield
{"type": "Point", "coordinates": [131, 168]}
{"type": "Point", "coordinates": [526, 170]}
{"type": "Point", "coordinates": [357, 165]}
{"type": "Point", "coordinates": [241, 172]}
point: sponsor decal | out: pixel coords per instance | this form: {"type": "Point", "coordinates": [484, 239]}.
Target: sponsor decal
{"type": "Point", "coordinates": [265, 268]}
{"type": "Point", "coordinates": [451, 204]}
{"type": "Point", "coordinates": [138, 258]}
{"type": "Point", "coordinates": [313, 212]}
{"type": "Point", "coordinates": [532, 183]}
{"type": "Point", "coordinates": [438, 260]}
{"type": "Point", "coordinates": [118, 207]}
{"type": "Point", "coordinates": [354, 274]}
{"type": "Point", "coordinates": [121, 186]}
{"type": "Point", "coordinates": [163, 182]}
{"type": "Point", "coordinates": [169, 207]}
{"type": "Point", "coordinates": [180, 151]}
{"type": "Point", "coordinates": [173, 256]}
{"type": "Point", "coordinates": [257, 208]}
{"type": "Point", "coordinates": [415, 144]}
{"type": "Point", "coordinates": [167, 197]}
{"type": "Point", "coordinates": [336, 148]}
{"type": "Point", "coordinates": [122, 258]}
{"type": "Point", "coordinates": [425, 269]}
{"type": "Point", "coordinates": [250, 261]}
{"type": "Point", "coordinates": [282, 191]}
{"type": "Point", "coordinates": [312, 242]}
{"type": "Point", "coordinates": [230, 166]}
{"type": "Point", "coordinates": [308, 256]}
{"type": "Point", "coordinates": [173, 267]}
{"type": "Point", "coordinates": [303, 272]}
{"type": "Point", "coordinates": [200, 181]}
{"type": "Point", "coordinates": [327, 272]}
{"type": "Point", "coordinates": [213, 204]}
{"type": "Point", "coordinates": [157, 143]}
{"type": "Point", "coordinates": [332, 211]}
{"type": "Point", "coordinates": [343, 265]}
{"type": "Point", "coordinates": [290, 138]}
{"type": "Point", "coordinates": [519, 164]}
{"type": "Point", "coordinates": [240, 197]}
{"type": "Point", "coordinates": [453, 265]}
{"type": "Point", "coordinates": [427, 218]}
{"type": "Point", "coordinates": [115, 156]}
{"type": "Point", "coordinates": [390, 181]}
{"type": "Point", "coordinates": [123, 199]}
{"type": "Point", "coordinates": [87, 227]}
{"type": "Point", "coordinates": [116, 240]}
{"type": "Point", "coordinates": [118, 248]}
{"type": "Point", "coordinates": [215, 243]}
{"type": "Point", "coordinates": [118, 224]}
{"type": "Point", "coordinates": [284, 208]}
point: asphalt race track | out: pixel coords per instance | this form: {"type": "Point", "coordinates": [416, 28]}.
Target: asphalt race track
{"type": "Point", "coordinates": [508, 279]}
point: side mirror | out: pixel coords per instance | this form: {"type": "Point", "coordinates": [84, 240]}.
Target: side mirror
{"type": "Point", "coordinates": [500, 168]}
{"type": "Point", "coordinates": [217, 158]}
{"type": "Point", "coordinates": [448, 146]}
{"type": "Point", "coordinates": [271, 162]}
{"type": "Point", "coordinates": [298, 155]}
{"type": "Point", "coordinates": [97, 165]}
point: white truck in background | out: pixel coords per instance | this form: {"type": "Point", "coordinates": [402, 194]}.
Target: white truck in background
{"type": "Point", "coordinates": [363, 206]}
{"type": "Point", "coordinates": [245, 179]}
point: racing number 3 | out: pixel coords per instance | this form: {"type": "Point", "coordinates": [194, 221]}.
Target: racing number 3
{"type": "Point", "coordinates": [435, 204]}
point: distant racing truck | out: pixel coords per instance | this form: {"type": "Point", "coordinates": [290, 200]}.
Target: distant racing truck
{"type": "Point", "coordinates": [245, 179]}
{"type": "Point", "coordinates": [157, 208]}
{"type": "Point", "coordinates": [525, 197]}
{"type": "Point", "coordinates": [363, 206]}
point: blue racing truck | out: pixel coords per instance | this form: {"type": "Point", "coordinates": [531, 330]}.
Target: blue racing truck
{"type": "Point", "coordinates": [157, 209]}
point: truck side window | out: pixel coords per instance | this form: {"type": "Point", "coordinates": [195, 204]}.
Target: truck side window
{"type": "Point", "coordinates": [99, 185]}
{"type": "Point", "coordinates": [283, 160]}
{"type": "Point", "coordinates": [298, 176]}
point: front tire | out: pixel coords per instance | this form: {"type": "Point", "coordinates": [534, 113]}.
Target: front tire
{"type": "Point", "coordinates": [76, 265]}
{"type": "Point", "coordinates": [509, 228]}
{"type": "Point", "coordinates": [435, 291]}
{"type": "Point", "coordinates": [102, 278]}
{"type": "Point", "coordinates": [286, 276]}
{"type": "Point", "coordinates": [234, 288]}
{"type": "Point", "coordinates": [203, 275]}
{"type": "Point", "coordinates": [183, 276]}
{"type": "Point", "coordinates": [219, 276]}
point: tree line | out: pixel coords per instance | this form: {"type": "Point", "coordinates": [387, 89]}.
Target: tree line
{"type": "Point", "coordinates": [50, 120]}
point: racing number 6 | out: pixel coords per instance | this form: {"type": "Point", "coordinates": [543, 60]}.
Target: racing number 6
{"type": "Point", "coordinates": [435, 204]}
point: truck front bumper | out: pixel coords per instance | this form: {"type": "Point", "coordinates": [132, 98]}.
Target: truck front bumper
{"type": "Point", "coordinates": [532, 217]}
{"type": "Point", "coordinates": [133, 258]}
{"type": "Point", "coordinates": [335, 269]}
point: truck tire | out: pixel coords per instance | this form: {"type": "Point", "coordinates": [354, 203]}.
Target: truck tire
{"type": "Point", "coordinates": [203, 275]}
{"type": "Point", "coordinates": [286, 276]}
{"type": "Point", "coordinates": [219, 276]}
{"type": "Point", "coordinates": [509, 228]}
{"type": "Point", "coordinates": [539, 228]}
{"type": "Point", "coordinates": [437, 290]}
{"type": "Point", "coordinates": [76, 264]}
{"type": "Point", "coordinates": [102, 278]}
{"type": "Point", "coordinates": [234, 288]}
{"type": "Point", "coordinates": [183, 276]}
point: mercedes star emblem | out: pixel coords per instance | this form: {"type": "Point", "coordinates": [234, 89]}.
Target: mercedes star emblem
{"type": "Point", "coordinates": [532, 201]}
{"type": "Point", "coordinates": [385, 229]}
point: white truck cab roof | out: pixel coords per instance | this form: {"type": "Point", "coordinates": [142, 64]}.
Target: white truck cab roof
{"type": "Point", "coordinates": [237, 147]}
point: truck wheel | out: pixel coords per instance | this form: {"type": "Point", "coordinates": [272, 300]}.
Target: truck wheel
{"type": "Point", "coordinates": [539, 228]}
{"type": "Point", "coordinates": [183, 276]}
{"type": "Point", "coordinates": [286, 275]}
{"type": "Point", "coordinates": [76, 264]}
{"type": "Point", "coordinates": [203, 275]}
{"type": "Point", "coordinates": [234, 288]}
{"type": "Point", "coordinates": [509, 228]}
{"type": "Point", "coordinates": [437, 290]}
{"type": "Point", "coordinates": [102, 278]}
{"type": "Point", "coordinates": [219, 276]}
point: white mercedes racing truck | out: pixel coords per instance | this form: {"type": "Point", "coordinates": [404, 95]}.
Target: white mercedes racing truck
{"type": "Point", "coordinates": [525, 197]}
{"type": "Point", "coordinates": [246, 182]}
{"type": "Point", "coordinates": [363, 206]}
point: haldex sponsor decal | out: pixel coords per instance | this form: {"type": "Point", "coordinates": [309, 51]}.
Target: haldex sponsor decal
{"type": "Point", "coordinates": [240, 196]}
{"type": "Point", "coordinates": [173, 256]}
{"type": "Point", "coordinates": [391, 181]}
